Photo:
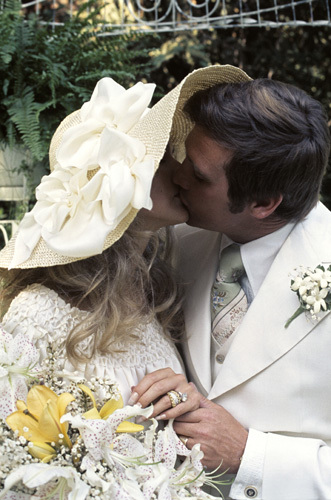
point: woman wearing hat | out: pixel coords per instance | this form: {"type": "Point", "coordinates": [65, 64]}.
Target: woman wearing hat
{"type": "Point", "coordinates": [84, 276]}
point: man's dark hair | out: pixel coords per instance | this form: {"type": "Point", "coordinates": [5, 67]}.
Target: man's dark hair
{"type": "Point", "coordinates": [279, 138]}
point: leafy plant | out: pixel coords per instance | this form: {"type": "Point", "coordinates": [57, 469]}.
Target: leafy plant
{"type": "Point", "coordinates": [47, 73]}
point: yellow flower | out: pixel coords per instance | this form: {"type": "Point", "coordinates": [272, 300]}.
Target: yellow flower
{"type": "Point", "coordinates": [39, 421]}
{"type": "Point", "coordinates": [43, 451]}
{"type": "Point", "coordinates": [108, 408]}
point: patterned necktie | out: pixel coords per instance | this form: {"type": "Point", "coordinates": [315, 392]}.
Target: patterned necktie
{"type": "Point", "coordinates": [228, 300]}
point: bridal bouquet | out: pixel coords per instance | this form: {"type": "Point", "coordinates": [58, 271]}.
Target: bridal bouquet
{"type": "Point", "coordinates": [73, 439]}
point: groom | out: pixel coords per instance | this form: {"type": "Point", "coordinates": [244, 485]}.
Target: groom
{"type": "Point", "coordinates": [252, 175]}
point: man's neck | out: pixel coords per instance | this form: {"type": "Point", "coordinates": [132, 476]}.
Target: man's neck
{"type": "Point", "coordinates": [262, 228]}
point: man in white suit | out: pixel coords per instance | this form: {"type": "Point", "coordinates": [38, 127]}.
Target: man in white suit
{"type": "Point", "coordinates": [252, 175]}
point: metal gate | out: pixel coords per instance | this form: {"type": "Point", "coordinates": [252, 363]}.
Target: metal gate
{"type": "Point", "coordinates": [179, 15]}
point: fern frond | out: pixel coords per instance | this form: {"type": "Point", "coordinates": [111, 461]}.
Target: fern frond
{"type": "Point", "coordinates": [24, 113]}
{"type": "Point", "coordinates": [12, 5]}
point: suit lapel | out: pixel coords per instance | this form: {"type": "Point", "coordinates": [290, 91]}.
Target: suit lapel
{"type": "Point", "coordinates": [199, 269]}
{"type": "Point", "coordinates": [262, 338]}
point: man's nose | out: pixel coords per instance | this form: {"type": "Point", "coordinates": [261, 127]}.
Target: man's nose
{"type": "Point", "coordinates": [181, 175]}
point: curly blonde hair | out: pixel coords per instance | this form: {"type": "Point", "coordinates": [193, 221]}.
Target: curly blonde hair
{"type": "Point", "coordinates": [121, 288]}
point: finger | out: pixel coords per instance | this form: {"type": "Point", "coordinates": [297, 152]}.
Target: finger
{"type": "Point", "coordinates": [160, 388]}
{"type": "Point", "coordinates": [187, 430]}
{"type": "Point", "coordinates": [148, 381]}
{"type": "Point", "coordinates": [185, 441]}
{"type": "Point", "coordinates": [164, 403]}
{"type": "Point", "coordinates": [192, 403]}
{"type": "Point", "coordinates": [178, 401]}
{"type": "Point", "coordinates": [191, 417]}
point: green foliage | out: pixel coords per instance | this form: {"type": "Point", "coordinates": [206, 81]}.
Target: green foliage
{"type": "Point", "coordinates": [46, 73]}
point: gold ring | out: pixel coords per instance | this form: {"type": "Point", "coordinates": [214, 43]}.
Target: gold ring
{"type": "Point", "coordinates": [184, 440]}
{"type": "Point", "coordinates": [175, 398]}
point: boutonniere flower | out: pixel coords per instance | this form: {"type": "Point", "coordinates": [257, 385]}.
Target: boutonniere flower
{"type": "Point", "coordinates": [313, 288]}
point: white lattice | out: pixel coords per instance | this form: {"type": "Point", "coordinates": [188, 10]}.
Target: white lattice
{"type": "Point", "coordinates": [177, 15]}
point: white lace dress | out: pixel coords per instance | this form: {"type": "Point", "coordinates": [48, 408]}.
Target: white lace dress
{"type": "Point", "coordinates": [46, 319]}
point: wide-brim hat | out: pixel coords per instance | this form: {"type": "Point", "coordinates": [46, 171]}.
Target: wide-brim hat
{"type": "Point", "coordinates": [165, 121]}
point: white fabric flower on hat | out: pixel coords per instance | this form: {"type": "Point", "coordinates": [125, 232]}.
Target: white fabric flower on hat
{"type": "Point", "coordinates": [112, 107]}
{"type": "Point", "coordinates": [75, 212]}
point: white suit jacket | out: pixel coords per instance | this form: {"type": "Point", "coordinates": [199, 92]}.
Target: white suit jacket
{"type": "Point", "coordinates": [274, 380]}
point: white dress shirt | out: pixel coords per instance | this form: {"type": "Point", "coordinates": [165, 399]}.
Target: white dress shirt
{"type": "Point", "coordinates": [257, 257]}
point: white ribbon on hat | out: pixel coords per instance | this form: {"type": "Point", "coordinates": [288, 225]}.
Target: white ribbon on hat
{"type": "Point", "coordinates": [74, 214]}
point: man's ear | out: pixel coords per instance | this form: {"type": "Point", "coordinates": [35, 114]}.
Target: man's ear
{"type": "Point", "coordinates": [262, 209]}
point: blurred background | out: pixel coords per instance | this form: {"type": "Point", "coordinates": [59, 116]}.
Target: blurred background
{"type": "Point", "coordinates": [53, 52]}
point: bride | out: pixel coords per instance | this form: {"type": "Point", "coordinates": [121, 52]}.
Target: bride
{"type": "Point", "coordinates": [87, 277]}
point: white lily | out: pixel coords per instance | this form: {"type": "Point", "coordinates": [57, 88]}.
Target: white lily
{"type": "Point", "coordinates": [99, 435]}
{"type": "Point", "coordinates": [159, 484]}
{"type": "Point", "coordinates": [18, 364]}
{"type": "Point", "coordinates": [37, 475]}
{"type": "Point", "coordinates": [88, 465]}
{"type": "Point", "coordinates": [115, 487]}
{"type": "Point", "coordinates": [160, 479]}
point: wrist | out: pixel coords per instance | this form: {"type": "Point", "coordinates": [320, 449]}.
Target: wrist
{"type": "Point", "coordinates": [240, 452]}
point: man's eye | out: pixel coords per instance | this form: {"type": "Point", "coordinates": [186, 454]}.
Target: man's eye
{"type": "Point", "coordinates": [200, 177]}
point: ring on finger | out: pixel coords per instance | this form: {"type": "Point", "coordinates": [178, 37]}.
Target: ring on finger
{"type": "Point", "coordinates": [183, 440]}
{"type": "Point", "coordinates": [175, 398]}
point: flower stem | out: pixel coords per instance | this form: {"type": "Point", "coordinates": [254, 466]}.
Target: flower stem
{"type": "Point", "coordinates": [295, 315]}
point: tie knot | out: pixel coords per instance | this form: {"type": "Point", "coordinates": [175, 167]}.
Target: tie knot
{"type": "Point", "coordinates": [231, 267]}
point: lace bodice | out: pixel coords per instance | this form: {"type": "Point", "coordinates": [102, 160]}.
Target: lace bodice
{"type": "Point", "coordinates": [42, 315]}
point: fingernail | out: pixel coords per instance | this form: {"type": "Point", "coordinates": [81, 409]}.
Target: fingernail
{"type": "Point", "coordinates": [140, 420]}
{"type": "Point", "coordinates": [133, 398]}
{"type": "Point", "coordinates": [161, 417]}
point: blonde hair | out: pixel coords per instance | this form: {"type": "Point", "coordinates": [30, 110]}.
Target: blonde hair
{"type": "Point", "coordinates": [121, 288]}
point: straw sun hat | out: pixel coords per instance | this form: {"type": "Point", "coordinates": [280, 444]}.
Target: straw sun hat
{"type": "Point", "coordinates": [102, 160]}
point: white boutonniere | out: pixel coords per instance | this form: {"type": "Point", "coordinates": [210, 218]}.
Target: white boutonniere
{"type": "Point", "coordinates": [313, 288]}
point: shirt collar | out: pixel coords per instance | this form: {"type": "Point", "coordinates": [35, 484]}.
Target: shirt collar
{"type": "Point", "coordinates": [258, 255]}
